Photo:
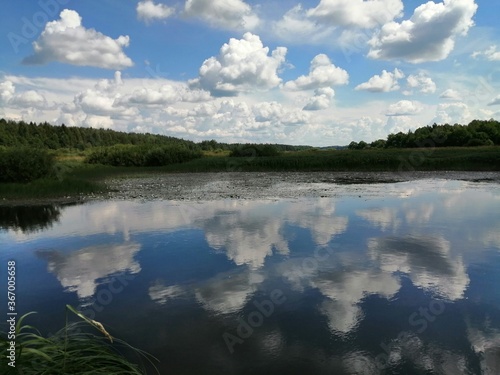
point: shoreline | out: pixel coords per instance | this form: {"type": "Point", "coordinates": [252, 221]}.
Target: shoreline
{"type": "Point", "coordinates": [246, 185]}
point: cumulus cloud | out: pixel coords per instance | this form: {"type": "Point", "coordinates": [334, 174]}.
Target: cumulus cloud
{"type": "Point", "coordinates": [385, 82]}
{"type": "Point", "coordinates": [321, 100]}
{"type": "Point", "coordinates": [452, 113]}
{"type": "Point", "coordinates": [242, 65]}
{"type": "Point", "coordinates": [356, 13]}
{"type": "Point", "coordinates": [148, 11]}
{"type": "Point", "coordinates": [65, 40]}
{"type": "Point", "coordinates": [451, 95]}
{"type": "Point", "coordinates": [404, 108]}
{"type": "Point", "coordinates": [322, 73]}
{"type": "Point", "coordinates": [227, 14]}
{"type": "Point", "coordinates": [29, 98]}
{"type": "Point", "coordinates": [490, 54]}
{"type": "Point", "coordinates": [295, 27]}
{"type": "Point", "coordinates": [422, 83]}
{"type": "Point", "coordinates": [7, 90]}
{"type": "Point", "coordinates": [429, 35]}
{"type": "Point", "coordinates": [495, 101]}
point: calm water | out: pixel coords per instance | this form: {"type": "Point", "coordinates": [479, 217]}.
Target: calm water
{"type": "Point", "coordinates": [389, 278]}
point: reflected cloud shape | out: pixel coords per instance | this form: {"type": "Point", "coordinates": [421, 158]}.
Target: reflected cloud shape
{"type": "Point", "coordinates": [246, 236]}
{"type": "Point", "coordinates": [161, 293]}
{"type": "Point", "coordinates": [424, 356]}
{"type": "Point", "coordinates": [384, 218]}
{"type": "Point", "coordinates": [426, 260]}
{"type": "Point", "coordinates": [79, 271]}
{"type": "Point", "coordinates": [228, 292]}
{"type": "Point", "coordinates": [486, 343]}
{"type": "Point", "coordinates": [317, 215]}
{"type": "Point", "coordinates": [345, 289]}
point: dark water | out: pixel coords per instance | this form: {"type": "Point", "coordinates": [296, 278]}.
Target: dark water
{"type": "Point", "coordinates": [384, 279]}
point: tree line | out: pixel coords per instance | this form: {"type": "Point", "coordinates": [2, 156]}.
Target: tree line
{"type": "Point", "coordinates": [476, 133]}
{"type": "Point", "coordinates": [47, 136]}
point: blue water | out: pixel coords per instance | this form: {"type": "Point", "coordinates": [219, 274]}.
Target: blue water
{"type": "Point", "coordinates": [399, 278]}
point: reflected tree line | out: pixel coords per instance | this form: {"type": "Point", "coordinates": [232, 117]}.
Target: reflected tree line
{"type": "Point", "coordinates": [29, 218]}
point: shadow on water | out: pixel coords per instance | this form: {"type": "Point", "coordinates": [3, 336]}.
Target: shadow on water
{"type": "Point", "coordinates": [29, 218]}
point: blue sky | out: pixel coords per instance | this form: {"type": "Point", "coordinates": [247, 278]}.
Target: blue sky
{"type": "Point", "coordinates": [318, 72]}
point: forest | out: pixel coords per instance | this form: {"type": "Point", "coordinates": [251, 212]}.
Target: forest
{"type": "Point", "coordinates": [476, 133]}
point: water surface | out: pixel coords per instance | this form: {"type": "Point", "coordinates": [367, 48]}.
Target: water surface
{"type": "Point", "coordinates": [400, 278]}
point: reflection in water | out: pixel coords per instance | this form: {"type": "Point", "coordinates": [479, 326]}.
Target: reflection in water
{"type": "Point", "coordinates": [227, 293]}
{"type": "Point", "coordinates": [29, 218]}
{"type": "Point", "coordinates": [79, 271]}
{"type": "Point", "coordinates": [426, 260]}
{"type": "Point", "coordinates": [353, 273]}
{"type": "Point", "coordinates": [486, 343]}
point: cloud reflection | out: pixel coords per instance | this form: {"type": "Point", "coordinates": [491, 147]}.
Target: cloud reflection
{"type": "Point", "coordinates": [80, 271]}
{"type": "Point", "coordinates": [426, 260]}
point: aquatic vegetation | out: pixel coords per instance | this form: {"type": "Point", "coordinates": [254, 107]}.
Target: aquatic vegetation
{"type": "Point", "coordinates": [75, 349]}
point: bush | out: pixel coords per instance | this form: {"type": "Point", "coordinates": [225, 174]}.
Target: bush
{"type": "Point", "coordinates": [249, 150]}
{"type": "Point", "coordinates": [25, 164]}
{"type": "Point", "coordinates": [141, 156]}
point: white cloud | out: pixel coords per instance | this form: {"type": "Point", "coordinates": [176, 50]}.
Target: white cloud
{"type": "Point", "coordinates": [385, 82]}
{"type": "Point", "coordinates": [491, 54]}
{"type": "Point", "coordinates": [404, 108]}
{"type": "Point", "coordinates": [429, 35]}
{"type": "Point", "coordinates": [7, 90]}
{"type": "Point", "coordinates": [356, 13]}
{"type": "Point", "coordinates": [296, 27]}
{"type": "Point", "coordinates": [450, 94]}
{"type": "Point", "coordinates": [495, 101]}
{"type": "Point", "coordinates": [29, 98]}
{"type": "Point", "coordinates": [148, 11]}
{"type": "Point", "coordinates": [421, 82]}
{"type": "Point", "coordinates": [227, 14]}
{"type": "Point", "coordinates": [452, 113]}
{"type": "Point", "coordinates": [322, 73]}
{"type": "Point", "coordinates": [242, 65]}
{"type": "Point", "coordinates": [67, 41]}
{"type": "Point", "coordinates": [321, 100]}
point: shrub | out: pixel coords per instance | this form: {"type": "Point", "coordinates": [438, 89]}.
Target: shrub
{"type": "Point", "coordinates": [25, 164]}
{"type": "Point", "coordinates": [141, 156]}
{"type": "Point", "coordinates": [250, 150]}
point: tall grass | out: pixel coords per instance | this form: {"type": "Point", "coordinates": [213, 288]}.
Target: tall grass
{"type": "Point", "coordinates": [81, 347]}
{"type": "Point", "coordinates": [395, 160]}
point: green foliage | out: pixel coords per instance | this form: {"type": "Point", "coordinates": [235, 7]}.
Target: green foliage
{"type": "Point", "coordinates": [476, 133]}
{"type": "Point", "coordinates": [25, 164]}
{"type": "Point", "coordinates": [371, 159]}
{"type": "Point", "coordinates": [141, 156]}
{"type": "Point", "coordinates": [75, 349]}
{"type": "Point", "coordinates": [44, 135]}
{"type": "Point", "coordinates": [255, 150]}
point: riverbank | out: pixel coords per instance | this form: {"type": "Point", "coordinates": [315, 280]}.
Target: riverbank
{"type": "Point", "coordinates": [75, 181]}
{"type": "Point", "coordinates": [248, 185]}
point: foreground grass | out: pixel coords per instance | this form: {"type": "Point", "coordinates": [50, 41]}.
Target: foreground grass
{"type": "Point", "coordinates": [75, 349]}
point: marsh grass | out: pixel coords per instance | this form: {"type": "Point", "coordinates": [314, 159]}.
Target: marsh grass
{"type": "Point", "coordinates": [81, 347]}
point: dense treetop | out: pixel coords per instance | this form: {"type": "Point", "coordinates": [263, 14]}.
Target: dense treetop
{"type": "Point", "coordinates": [476, 133]}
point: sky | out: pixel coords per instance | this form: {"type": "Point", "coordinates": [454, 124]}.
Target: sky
{"type": "Point", "coordinates": [315, 72]}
